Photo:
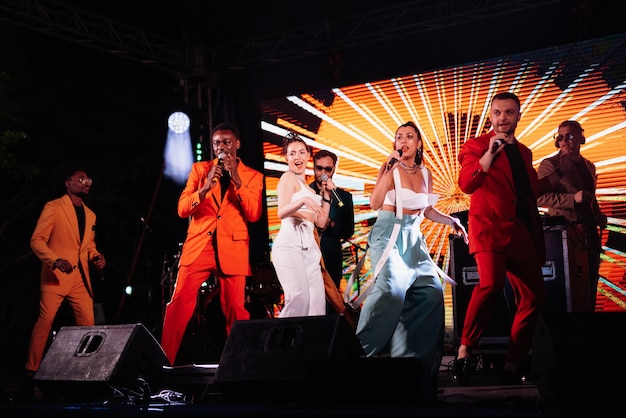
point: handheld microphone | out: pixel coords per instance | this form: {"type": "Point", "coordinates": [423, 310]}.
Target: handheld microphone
{"type": "Point", "coordinates": [393, 160]}
{"type": "Point", "coordinates": [495, 146]}
{"type": "Point", "coordinates": [324, 177]}
{"type": "Point", "coordinates": [220, 162]}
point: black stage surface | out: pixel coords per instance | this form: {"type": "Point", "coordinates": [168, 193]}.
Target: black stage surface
{"type": "Point", "coordinates": [570, 376]}
{"type": "Point", "coordinates": [485, 397]}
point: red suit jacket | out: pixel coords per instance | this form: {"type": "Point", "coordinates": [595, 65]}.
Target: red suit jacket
{"type": "Point", "coordinates": [228, 218]}
{"type": "Point", "coordinates": [493, 200]}
{"type": "Point", "coordinates": [56, 236]}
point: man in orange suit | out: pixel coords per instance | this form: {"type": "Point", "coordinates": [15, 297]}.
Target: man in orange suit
{"type": "Point", "coordinates": [220, 198]}
{"type": "Point", "coordinates": [64, 241]}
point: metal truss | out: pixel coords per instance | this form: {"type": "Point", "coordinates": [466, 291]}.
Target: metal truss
{"type": "Point", "coordinates": [82, 27]}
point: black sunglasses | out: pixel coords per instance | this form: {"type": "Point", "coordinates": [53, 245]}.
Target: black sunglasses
{"type": "Point", "coordinates": [326, 169]}
{"type": "Point", "coordinates": [560, 137]}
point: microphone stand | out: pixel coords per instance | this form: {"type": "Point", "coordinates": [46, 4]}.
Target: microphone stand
{"type": "Point", "coordinates": [168, 278]}
{"type": "Point", "coordinates": [146, 222]}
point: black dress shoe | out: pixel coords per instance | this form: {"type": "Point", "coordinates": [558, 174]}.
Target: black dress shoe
{"type": "Point", "coordinates": [461, 371]}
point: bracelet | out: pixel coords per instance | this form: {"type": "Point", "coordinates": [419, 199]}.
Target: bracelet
{"type": "Point", "coordinates": [54, 265]}
{"type": "Point", "coordinates": [326, 200]}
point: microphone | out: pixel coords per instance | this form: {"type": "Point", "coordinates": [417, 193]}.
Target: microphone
{"type": "Point", "coordinates": [393, 160]}
{"type": "Point", "coordinates": [324, 177]}
{"type": "Point", "coordinates": [495, 146]}
{"type": "Point", "coordinates": [220, 156]}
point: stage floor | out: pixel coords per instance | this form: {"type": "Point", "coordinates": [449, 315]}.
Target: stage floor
{"type": "Point", "coordinates": [192, 392]}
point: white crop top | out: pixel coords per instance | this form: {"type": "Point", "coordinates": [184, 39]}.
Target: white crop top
{"type": "Point", "coordinates": [304, 192]}
{"type": "Point", "coordinates": [410, 199]}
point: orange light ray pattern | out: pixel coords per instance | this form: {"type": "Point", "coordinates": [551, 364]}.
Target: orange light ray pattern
{"type": "Point", "coordinates": [584, 81]}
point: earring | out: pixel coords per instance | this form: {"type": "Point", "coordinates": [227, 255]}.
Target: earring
{"type": "Point", "coordinates": [419, 153]}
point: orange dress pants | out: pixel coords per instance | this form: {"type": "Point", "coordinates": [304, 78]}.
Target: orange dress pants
{"type": "Point", "coordinates": [180, 308]}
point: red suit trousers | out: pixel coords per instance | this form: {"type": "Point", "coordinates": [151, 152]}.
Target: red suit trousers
{"type": "Point", "coordinates": [521, 263]}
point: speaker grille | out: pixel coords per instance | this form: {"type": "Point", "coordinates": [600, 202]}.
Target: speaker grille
{"type": "Point", "coordinates": [87, 362]}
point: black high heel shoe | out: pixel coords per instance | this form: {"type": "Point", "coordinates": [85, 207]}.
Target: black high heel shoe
{"type": "Point", "coordinates": [461, 371]}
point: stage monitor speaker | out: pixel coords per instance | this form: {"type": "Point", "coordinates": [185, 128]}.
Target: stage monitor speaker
{"type": "Point", "coordinates": [577, 361]}
{"type": "Point", "coordinates": [89, 362]}
{"type": "Point", "coordinates": [265, 359]}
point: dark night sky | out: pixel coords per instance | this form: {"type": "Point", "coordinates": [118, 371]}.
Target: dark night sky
{"type": "Point", "coordinates": [81, 105]}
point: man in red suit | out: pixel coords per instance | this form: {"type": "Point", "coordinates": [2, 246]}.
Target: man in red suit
{"type": "Point", "coordinates": [220, 198]}
{"type": "Point", "coordinates": [505, 236]}
{"type": "Point", "coordinates": [64, 241]}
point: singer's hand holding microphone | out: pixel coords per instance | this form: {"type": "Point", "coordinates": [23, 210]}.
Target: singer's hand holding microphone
{"type": "Point", "coordinates": [496, 144]}
{"type": "Point", "coordinates": [220, 164]}
{"type": "Point", "coordinates": [325, 178]}
{"type": "Point", "coordinates": [394, 160]}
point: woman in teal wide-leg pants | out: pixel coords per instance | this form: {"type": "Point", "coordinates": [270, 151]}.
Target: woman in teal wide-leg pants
{"type": "Point", "coordinates": [404, 313]}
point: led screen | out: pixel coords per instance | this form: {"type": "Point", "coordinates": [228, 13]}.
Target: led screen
{"type": "Point", "coordinates": [584, 81]}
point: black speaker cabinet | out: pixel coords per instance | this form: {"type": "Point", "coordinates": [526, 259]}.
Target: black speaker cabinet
{"type": "Point", "coordinates": [87, 362]}
{"type": "Point", "coordinates": [577, 361]}
{"type": "Point", "coordinates": [265, 359]}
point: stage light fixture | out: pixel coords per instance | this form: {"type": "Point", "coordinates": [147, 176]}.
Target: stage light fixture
{"type": "Point", "coordinates": [178, 122]}
{"type": "Point", "coordinates": [178, 153]}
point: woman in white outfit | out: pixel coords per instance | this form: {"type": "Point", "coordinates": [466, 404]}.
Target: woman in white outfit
{"type": "Point", "coordinates": [295, 252]}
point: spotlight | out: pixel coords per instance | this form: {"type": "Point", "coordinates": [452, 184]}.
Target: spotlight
{"type": "Point", "coordinates": [178, 122]}
{"type": "Point", "coordinates": [178, 153]}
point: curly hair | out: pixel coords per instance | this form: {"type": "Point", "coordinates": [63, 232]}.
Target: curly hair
{"type": "Point", "coordinates": [292, 137]}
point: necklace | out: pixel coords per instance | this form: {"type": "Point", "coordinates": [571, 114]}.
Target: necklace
{"type": "Point", "coordinates": [409, 170]}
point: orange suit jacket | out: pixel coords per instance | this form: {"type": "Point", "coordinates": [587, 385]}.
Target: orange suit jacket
{"type": "Point", "coordinates": [56, 236]}
{"type": "Point", "coordinates": [228, 218]}
{"type": "Point", "coordinates": [493, 200]}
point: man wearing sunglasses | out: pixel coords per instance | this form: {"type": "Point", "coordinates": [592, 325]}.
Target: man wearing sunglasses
{"type": "Point", "coordinates": [574, 198]}
{"type": "Point", "coordinates": [64, 241]}
{"type": "Point", "coordinates": [340, 220]}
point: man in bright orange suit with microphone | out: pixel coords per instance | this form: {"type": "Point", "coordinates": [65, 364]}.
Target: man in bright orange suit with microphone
{"type": "Point", "coordinates": [221, 197]}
